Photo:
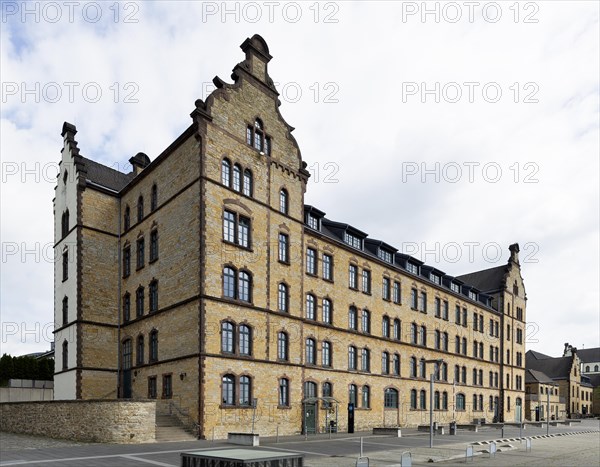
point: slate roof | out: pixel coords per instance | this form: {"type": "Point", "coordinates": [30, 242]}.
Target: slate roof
{"type": "Point", "coordinates": [534, 376]}
{"type": "Point", "coordinates": [105, 176]}
{"type": "Point", "coordinates": [538, 355]}
{"type": "Point", "coordinates": [555, 368]}
{"type": "Point", "coordinates": [594, 380]}
{"type": "Point", "coordinates": [589, 355]}
{"type": "Point", "coordinates": [487, 280]}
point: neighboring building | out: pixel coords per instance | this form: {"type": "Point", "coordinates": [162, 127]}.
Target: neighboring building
{"type": "Point", "coordinates": [573, 386]}
{"type": "Point", "coordinates": [542, 397]}
{"type": "Point", "coordinates": [590, 368]}
{"type": "Point", "coordinates": [202, 280]}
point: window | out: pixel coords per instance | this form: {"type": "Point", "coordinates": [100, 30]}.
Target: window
{"type": "Point", "coordinates": [153, 296]}
{"type": "Point", "coordinates": [327, 311]}
{"type": "Point", "coordinates": [385, 363]}
{"type": "Point", "coordinates": [438, 307]}
{"type": "Point", "coordinates": [226, 172]}
{"type": "Point", "coordinates": [312, 221]}
{"type": "Point", "coordinates": [474, 376]}
{"type": "Point", "coordinates": [154, 198]}
{"type": "Point", "coordinates": [352, 392]}
{"type": "Point", "coordinates": [237, 177]}
{"type": "Point", "coordinates": [256, 137]}
{"type": "Point", "coordinates": [153, 245]}
{"type": "Point", "coordinates": [284, 392]}
{"type": "Point", "coordinates": [65, 355]}
{"type": "Point", "coordinates": [327, 267]}
{"type": "Point", "coordinates": [397, 329]}
{"type": "Point", "coordinates": [352, 357]}
{"type": "Point", "coordinates": [140, 350]}
{"type": "Point", "coordinates": [390, 398]}
{"type": "Point", "coordinates": [464, 346]}
{"type": "Point", "coordinates": [311, 351]}
{"type": "Point", "coordinates": [412, 268]}
{"type": "Point", "coordinates": [310, 389]}
{"type": "Point", "coordinates": [463, 372]}
{"type": "Point", "coordinates": [444, 371]}
{"type": "Point", "coordinates": [353, 240]}
{"type": "Point", "coordinates": [366, 397]}
{"type": "Point", "coordinates": [311, 306]}
{"type": "Point", "coordinates": [64, 225]}
{"type": "Point", "coordinates": [386, 286]}
{"type": "Point", "coordinates": [413, 399]}
{"type": "Point", "coordinates": [311, 261]}
{"type": "Point", "coordinates": [245, 390]}
{"type": "Point", "coordinates": [444, 400]}
{"type": "Point", "coordinates": [327, 391]}
{"type": "Point", "coordinates": [435, 278]}
{"type": "Point", "coordinates": [460, 402]}
{"type": "Point", "coordinates": [353, 318]}
{"type": "Point", "coordinates": [366, 360]}
{"type": "Point", "coordinates": [245, 340]}
{"type": "Point", "coordinates": [396, 364]}
{"type": "Point", "coordinates": [384, 255]}
{"type": "Point", "coordinates": [438, 339]}
{"type": "Point", "coordinates": [152, 387]}
{"type": "Point", "coordinates": [422, 399]}
{"type": "Point", "coordinates": [423, 302]}
{"type": "Point", "coordinates": [353, 277]}
{"type": "Point", "coordinates": [140, 253]}
{"type": "Point", "coordinates": [414, 299]}
{"type": "Point", "coordinates": [464, 317]}
{"type": "Point", "coordinates": [385, 327]}
{"type": "Point", "coordinates": [126, 307]}
{"type": "Point", "coordinates": [283, 297]}
{"type": "Point", "coordinates": [140, 209]}
{"type": "Point", "coordinates": [366, 281]}
{"type": "Point", "coordinates": [422, 368]}
{"type": "Point", "coordinates": [397, 295]}
{"type": "Point", "coordinates": [283, 201]}
{"type": "Point", "coordinates": [457, 314]}
{"type": "Point", "coordinates": [472, 295]}
{"type": "Point", "coordinates": [366, 321]}
{"type": "Point", "coordinates": [236, 229]}
{"type": "Point", "coordinates": [454, 287]}
{"type": "Point", "coordinates": [167, 386]}
{"type": "Point", "coordinates": [240, 289]}
{"type": "Point", "coordinates": [423, 336]}
{"type": "Point", "coordinates": [65, 266]}
{"type": "Point", "coordinates": [445, 342]}
{"type": "Point", "coordinates": [326, 354]}
{"type": "Point", "coordinates": [284, 248]}
{"type": "Point", "coordinates": [282, 346]}
{"type": "Point", "coordinates": [236, 340]}
{"type": "Point", "coordinates": [139, 302]}
{"type": "Point", "coordinates": [413, 367]}
{"type": "Point", "coordinates": [445, 310]}
{"type": "Point", "coordinates": [248, 186]}
{"type": "Point", "coordinates": [126, 261]}
{"type": "Point", "coordinates": [153, 346]}
{"type": "Point", "coordinates": [519, 336]}
{"type": "Point", "coordinates": [65, 311]}
{"type": "Point", "coordinates": [127, 218]}
{"type": "Point", "coordinates": [228, 390]}
{"type": "Point", "coordinates": [414, 333]}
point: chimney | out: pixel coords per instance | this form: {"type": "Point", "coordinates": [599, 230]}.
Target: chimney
{"type": "Point", "coordinates": [514, 253]}
{"type": "Point", "coordinates": [139, 162]}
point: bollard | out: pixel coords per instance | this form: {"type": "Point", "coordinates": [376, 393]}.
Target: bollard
{"type": "Point", "coordinates": [277, 436]}
{"type": "Point", "coordinates": [361, 446]}
{"type": "Point", "coordinates": [406, 459]}
{"type": "Point", "coordinates": [469, 453]}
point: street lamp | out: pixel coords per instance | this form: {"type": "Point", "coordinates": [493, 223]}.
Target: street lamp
{"type": "Point", "coordinates": [439, 362]}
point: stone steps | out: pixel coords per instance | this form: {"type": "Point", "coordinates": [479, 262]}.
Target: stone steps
{"type": "Point", "coordinates": [169, 428]}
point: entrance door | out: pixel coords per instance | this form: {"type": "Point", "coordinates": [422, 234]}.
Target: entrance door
{"type": "Point", "coordinates": [127, 384]}
{"type": "Point", "coordinates": [126, 369]}
{"type": "Point", "coordinates": [518, 412]}
{"type": "Point", "coordinates": [310, 418]}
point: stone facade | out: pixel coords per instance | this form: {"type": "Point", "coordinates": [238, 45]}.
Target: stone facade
{"type": "Point", "coordinates": [92, 421]}
{"type": "Point", "coordinates": [168, 313]}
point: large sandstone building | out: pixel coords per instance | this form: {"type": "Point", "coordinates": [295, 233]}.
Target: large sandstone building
{"type": "Point", "coordinates": [202, 280]}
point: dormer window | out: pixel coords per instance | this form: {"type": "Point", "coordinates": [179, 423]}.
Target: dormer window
{"type": "Point", "coordinates": [256, 137]}
{"type": "Point", "coordinates": [434, 278]}
{"type": "Point", "coordinates": [412, 268]}
{"type": "Point", "coordinates": [454, 287]}
{"type": "Point", "coordinates": [472, 295]}
{"type": "Point", "coordinates": [353, 240]}
{"type": "Point", "coordinates": [312, 221]}
{"type": "Point", "coordinates": [384, 255]}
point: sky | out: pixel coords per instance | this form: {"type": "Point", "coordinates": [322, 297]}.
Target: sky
{"type": "Point", "coordinates": [450, 130]}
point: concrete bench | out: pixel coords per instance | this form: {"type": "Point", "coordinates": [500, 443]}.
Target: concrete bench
{"type": "Point", "coordinates": [441, 429]}
{"type": "Point", "coordinates": [395, 432]}
{"type": "Point", "coordinates": [467, 426]}
{"type": "Point", "coordinates": [243, 439]}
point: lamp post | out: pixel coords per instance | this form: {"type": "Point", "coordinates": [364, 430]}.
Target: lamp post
{"type": "Point", "coordinates": [431, 378]}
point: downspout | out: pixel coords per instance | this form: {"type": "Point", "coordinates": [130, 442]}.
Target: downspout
{"type": "Point", "coordinates": [119, 266]}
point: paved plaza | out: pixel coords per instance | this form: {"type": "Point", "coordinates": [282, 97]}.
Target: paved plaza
{"type": "Point", "coordinates": [578, 445]}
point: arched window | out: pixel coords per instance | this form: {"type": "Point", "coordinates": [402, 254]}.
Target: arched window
{"type": "Point", "coordinates": [475, 402]}
{"type": "Point", "coordinates": [127, 351]}
{"type": "Point", "coordinates": [126, 307]}
{"type": "Point", "coordinates": [445, 341]}
{"type": "Point", "coordinates": [64, 224]}
{"type": "Point", "coordinates": [228, 390]}
{"type": "Point", "coordinates": [245, 340]}
{"type": "Point", "coordinates": [397, 329]}
{"type": "Point", "coordinates": [310, 306]}
{"type": "Point", "coordinates": [245, 390]}
{"type": "Point", "coordinates": [352, 357]}
{"type": "Point", "coordinates": [480, 401]}
{"type": "Point", "coordinates": [460, 402]}
{"type": "Point", "coordinates": [282, 346]}
{"type": "Point", "coordinates": [438, 339]}
{"type": "Point", "coordinates": [444, 371]}
{"type": "Point", "coordinates": [464, 346]}
{"type": "Point", "coordinates": [366, 397]}
{"type": "Point", "coordinates": [457, 344]}
{"type": "Point", "coordinates": [229, 282]}
{"type": "Point", "coordinates": [154, 198]}
{"type": "Point", "coordinates": [436, 400]}
{"type": "Point", "coordinates": [444, 400]}
{"type": "Point", "coordinates": [283, 297]}
{"type": "Point", "coordinates": [587, 368]}
{"type": "Point", "coordinates": [311, 351]}
{"type": "Point", "coordinates": [153, 346]}
{"type": "Point", "coordinates": [248, 187]}
{"type": "Point", "coordinates": [385, 326]}
{"type": "Point", "coordinates": [240, 289]}
{"type": "Point", "coordinates": [423, 336]}
{"type": "Point", "coordinates": [226, 172]}
{"type": "Point", "coordinates": [385, 363]}
{"type": "Point", "coordinates": [237, 177]}
{"type": "Point", "coordinates": [140, 350]}
{"type": "Point", "coordinates": [366, 321]}
{"type": "Point", "coordinates": [352, 393]}
{"type": "Point", "coordinates": [413, 399]}
{"type": "Point", "coordinates": [244, 286]}
{"type": "Point", "coordinates": [65, 310]}
{"type": "Point", "coordinates": [464, 374]}
{"type": "Point", "coordinates": [595, 367]}
{"type": "Point", "coordinates": [353, 318]}
{"type": "Point", "coordinates": [413, 367]}
{"type": "Point", "coordinates": [65, 177]}
{"type": "Point", "coordinates": [414, 333]}
{"type": "Point", "coordinates": [327, 311]}
{"type": "Point", "coordinates": [310, 389]}
{"type": "Point", "coordinates": [153, 296]}
{"type": "Point", "coordinates": [283, 201]}
{"type": "Point", "coordinates": [396, 364]}
{"type": "Point", "coordinates": [65, 355]}
{"type": "Point", "coordinates": [139, 302]}
{"type": "Point", "coordinates": [140, 208]}
{"type": "Point", "coordinates": [422, 371]}
{"type": "Point", "coordinates": [227, 337]}
{"type": "Point", "coordinates": [284, 392]}
{"type": "Point", "coordinates": [366, 360]}
{"type": "Point", "coordinates": [326, 354]}
{"type": "Point", "coordinates": [327, 391]}
{"type": "Point", "coordinates": [390, 398]}
{"type": "Point", "coordinates": [127, 218]}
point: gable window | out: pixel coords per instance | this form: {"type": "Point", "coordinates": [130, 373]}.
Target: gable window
{"type": "Point", "coordinates": [140, 209]}
{"type": "Point", "coordinates": [412, 268]}
{"type": "Point", "coordinates": [283, 250]}
{"type": "Point", "coordinates": [236, 229]}
{"type": "Point", "coordinates": [435, 278]}
{"type": "Point", "coordinates": [139, 302]}
{"type": "Point", "coordinates": [140, 253]}
{"type": "Point", "coordinates": [283, 201]}
{"type": "Point", "coordinates": [154, 198]}
{"type": "Point", "coordinates": [311, 306]}
{"type": "Point", "coordinates": [153, 245]}
{"type": "Point", "coordinates": [353, 276]}
{"type": "Point", "coordinates": [256, 137]}
{"type": "Point", "coordinates": [282, 346]}
{"type": "Point", "coordinates": [390, 398]}
{"type": "Point", "coordinates": [153, 346]}
{"type": "Point", "coordinates": [65, 311]}
{"type": "Point", "coordinates": [247, 185]}
{"type": "Point", "coordinates": [126, 261]}
{"type": "Point", "coordinates": [153, 296]}
{"type": "Point", "coordinates": [454, 287]}
{"type": "Point", "coordinates": [283, 297]}
{"type": "Point", "coordinates": [327, 267]}
{"type": "Point", "coordinates": [311, 261]}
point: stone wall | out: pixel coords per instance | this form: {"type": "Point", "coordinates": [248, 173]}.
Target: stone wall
{"type": "Point", "coordinates": [92, 421]}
